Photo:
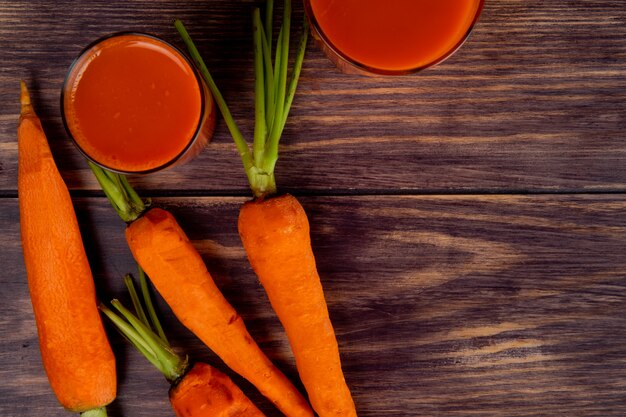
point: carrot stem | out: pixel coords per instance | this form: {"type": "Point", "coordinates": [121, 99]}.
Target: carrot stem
{"type": "Point", "coordinates": [260, 127]}
{"type": "Point", "coordinates": [271, 152]}
{"type": "Point", "coordinates": [240, 142]}
{"type": "Point", "coordinates": [128, 280]}
{"type": "Point", "coordinates": [297, 68]}
{"type": "Point", "coordinates": [128, 205]}
{"type": "Point", "coordinates": [130, 191]}
{"type": "Point", "coordinates": [156, 324]}
{"type": "Point", "coordinates": [96, 412]}
{"type": "Point", "coordinates": [273, 95]}
{"type": "Point", "coordinates": [269, 80]}
{"type": "Point", "coordinates": [137, 330]}
{"type": "Point", "coordinates": [277, 69]}
{"type": "Point", "coordinates": [148, 343]}
{"type": "Point", "coordinates": [112, 193]}
{"type": "Point", "coordinates": [131, 334]}
{"type": "Point", "coordinates": [269, 19]}
{"type": "Point", "coordinates": [148, 336]}
{"type": "Point", "coordinates": [282, 50]}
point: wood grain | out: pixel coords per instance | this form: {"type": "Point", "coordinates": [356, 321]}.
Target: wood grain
{"type": "Point", "coordinates": [443, 306]}
{"type": "Point", "coordinates": [457, 305]}
{"type": "Point", "coordinates": [533, 102]}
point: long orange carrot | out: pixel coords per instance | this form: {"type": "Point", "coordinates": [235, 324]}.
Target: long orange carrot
{"type": "Point", "coordinates": [177, 271]}
{"type": "Point", "coordinates": [275, 230]}
{"type": "Point", "coordinates": [74, 347]}
{"type": "Point", "coordinates": [275, 234]}
{"type": "Point", "coordinates": [197, 390]}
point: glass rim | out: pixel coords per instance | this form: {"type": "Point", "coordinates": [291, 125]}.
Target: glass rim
{"type": "Point", "coordinates": [202, 89]}
{"type": "Point", "coordinates": [366, 69]}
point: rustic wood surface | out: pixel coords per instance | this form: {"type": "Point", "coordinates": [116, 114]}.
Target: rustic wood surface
{"type": "Point", "coordinates": [443, 306]}
{"type": "Point", "coordinates": [469, 222]}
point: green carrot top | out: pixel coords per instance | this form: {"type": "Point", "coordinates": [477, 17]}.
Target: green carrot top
{"type": "Point", "coordinates": [96, 412]}
{"type": "Point", "coordinates": [126, 202]}
{"type": "Point", "coordinates": [273, 95]}
{"type": "Point", "coordinates": [144, 331]}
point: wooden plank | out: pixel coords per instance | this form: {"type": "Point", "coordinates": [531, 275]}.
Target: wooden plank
{"type": "Point", "coordinates": [534, 102]}
{"type": "Point", "coordinates": [443, 306]}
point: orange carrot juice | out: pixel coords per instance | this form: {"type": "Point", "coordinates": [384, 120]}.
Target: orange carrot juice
{"type": "Point", "coordinates": [391, 36]}
{"type": "Point", "coordinates": [133, 103]}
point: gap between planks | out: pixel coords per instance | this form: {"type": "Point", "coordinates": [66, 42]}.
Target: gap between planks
{"type": "Point", "coordinates": [165, 193]}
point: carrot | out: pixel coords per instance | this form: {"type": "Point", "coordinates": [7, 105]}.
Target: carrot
{"type": "Point", "coordinates": [177, 271]}
{"type": "Point", "coordinates": [275, 230]}
{"type": "Point", "coordinates": [75, 350]}
{"type": "Point", "coordinates": [275, 235]}
{"type": "Point", "coordinates": [206, 392]}
{"type": "Point", "coordinates": [197, 390]}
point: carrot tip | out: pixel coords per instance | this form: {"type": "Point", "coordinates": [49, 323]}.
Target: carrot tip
{"type": "Point", "coordinates": [27, 107]}
{"type": "Point", "coordinates": [24, 96]}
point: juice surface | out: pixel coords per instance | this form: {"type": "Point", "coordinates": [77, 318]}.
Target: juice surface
{"type": "Point", "coordinates": [395, 35]}
{"type": "Point", "coordinates": [134, 103]}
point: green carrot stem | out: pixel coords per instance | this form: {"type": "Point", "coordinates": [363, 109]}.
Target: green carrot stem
{"type": "Point", "coordinates": [271, 151]}
{"type": "Point", "coordinates": [269, 18]}
{"type": "Point", "coordinates": [258, 179]}
{"type": "Point", "coordinates": [118, 183]}
{"type": "Point", "coordinates": [112, 193]}
{"type": "Point", "coordinates": [139, 333]}
{"type": "Point", "coordinates": [116, 179]}
{"type": "Point", "coordinates": [297, 69]}
{"type": "Point", "coordinates": [148, 336]}
{"type": "Point", "coordinates": [156, 324]}
{"type": "Point", "coordinates": [240, 142]}
{"type": "Point", "coordinates": [278, 67]}
{"type": "Point", "coordinates": [128, 280]}
{"type": "Point", "coordinates": [284, 60]}
{"type": "Point", "coordinates": [271, 145]}
{"type": "Point", "coordinates": [120, 194]}
{"type": "Point", "coordinates": [273, 98]}
{"type": "Point", "coordinates": [260, 129]}
{"type": "Point", "coordinates": [95, 412]}
{"type": "Point", "coordinates": [130, 191]}
{"type": "Point", "coordinates": [269, 81]}
{"type": "Point", "coordinates": [110, 175]}
{"type": "Point", "coordinates": [169, 363]}
{"type": "Point", "coordinates": [131, 334]}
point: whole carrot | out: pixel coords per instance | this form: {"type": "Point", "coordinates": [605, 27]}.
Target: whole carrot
{"type": "Point", "coordinates": [275, 234]}
{"type": "Point", "coordinates": [76, 354]}
{"type": "Point", "coordinates": [197, 390]}
{"type": "Point", "coordinates": [275, 230]}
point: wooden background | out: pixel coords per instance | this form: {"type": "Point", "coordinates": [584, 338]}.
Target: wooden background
{"type": "Point", "coordinates": [469, 222]}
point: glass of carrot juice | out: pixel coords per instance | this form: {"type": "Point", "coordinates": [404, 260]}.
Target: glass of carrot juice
{"type": "Point", "coordinates": [134, 104]}
{"type": "Point", "coordinates": [391, 37]}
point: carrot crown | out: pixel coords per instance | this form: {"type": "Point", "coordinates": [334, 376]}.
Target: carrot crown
{"type": "Point", "coordinates": [96, 412]}
{"type": "Point", "coordinates": [144, 331]}
{"type": "Point", "coordinates": [27, 107]}
{"type": "Point", "coordinates": [273, 94]}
